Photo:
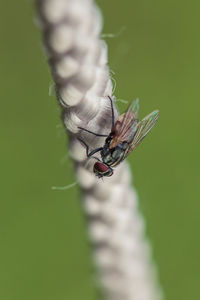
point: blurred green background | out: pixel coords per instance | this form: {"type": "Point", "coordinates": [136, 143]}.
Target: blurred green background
{"type": "Point", "coordinates": [43, 249]}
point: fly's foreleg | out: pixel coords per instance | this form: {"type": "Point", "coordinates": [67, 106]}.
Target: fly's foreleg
{"type": "Point", "coordinates": [90, 154]}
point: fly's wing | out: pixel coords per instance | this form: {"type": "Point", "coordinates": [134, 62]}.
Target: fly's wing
{"type": "Point", "coordinates": [125, 125]}
{"type": "Point", "coordinates": [143, 127]}
{"type": "Point", "coordinates": [129, 116]}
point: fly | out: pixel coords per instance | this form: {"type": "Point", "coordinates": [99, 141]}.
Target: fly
{"type": "Point", "coordinates": [126, 133]}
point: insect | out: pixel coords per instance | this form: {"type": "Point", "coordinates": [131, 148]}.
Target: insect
{"type": "Point", "coordinates": [126, 133]}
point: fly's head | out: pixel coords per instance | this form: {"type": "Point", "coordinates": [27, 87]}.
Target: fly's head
{"type": "Point", "coordinates": [101, 169]}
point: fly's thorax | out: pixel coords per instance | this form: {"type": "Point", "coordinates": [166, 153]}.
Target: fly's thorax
{"type": "Point", "coordinates": [114, 156]}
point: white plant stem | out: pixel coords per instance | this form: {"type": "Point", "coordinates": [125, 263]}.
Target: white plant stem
{"type": "Point", "coordinates": [78, 62]}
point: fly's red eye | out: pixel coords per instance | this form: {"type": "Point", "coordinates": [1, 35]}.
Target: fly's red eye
{"type": "Point", "coordinates": [100, 167]}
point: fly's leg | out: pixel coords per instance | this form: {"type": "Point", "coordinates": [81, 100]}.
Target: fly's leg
{"type": "Point", "coordinates": [112, 111]}
{"type": "Point", "coordinates": [97, 134]}
{"type": "Point", "coordinates": [112, 116]}
{"type": "Point", "coordinates": [90, 154]}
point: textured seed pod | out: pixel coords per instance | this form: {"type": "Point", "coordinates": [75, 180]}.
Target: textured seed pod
{"type": "Point", "coordinates": [78, 61]}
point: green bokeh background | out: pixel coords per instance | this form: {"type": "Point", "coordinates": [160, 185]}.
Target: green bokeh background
{"type": "Point", "coordinates": [156, 57]}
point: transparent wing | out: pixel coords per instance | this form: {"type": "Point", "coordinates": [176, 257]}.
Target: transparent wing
{"type": "Point", "coordinates": [143, 127]}
{"type": "Point", "coordinates": [125, 125]}
{"type": "Point", "coordinates": [129, 117]}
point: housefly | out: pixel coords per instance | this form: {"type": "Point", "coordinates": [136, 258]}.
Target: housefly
{"type": "Point", "coordinates": [126, 133]}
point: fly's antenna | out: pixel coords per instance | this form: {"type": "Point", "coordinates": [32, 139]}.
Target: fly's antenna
{"type": "Point", "coordinates": [77, 58]}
